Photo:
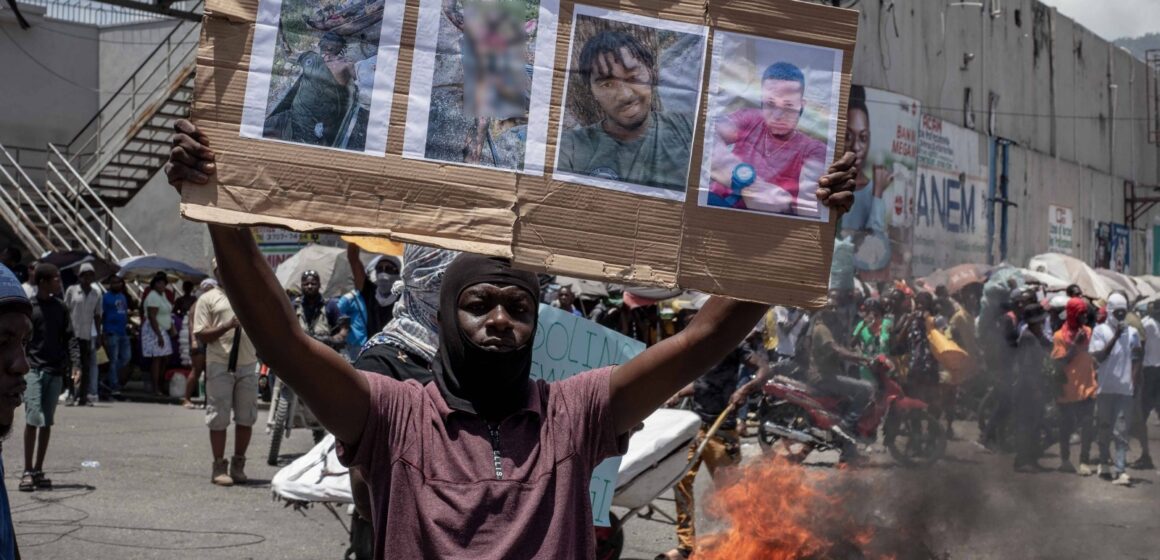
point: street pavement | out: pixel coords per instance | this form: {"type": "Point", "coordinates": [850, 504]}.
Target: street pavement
{"type": "Point", "coordinates": [150, 498]}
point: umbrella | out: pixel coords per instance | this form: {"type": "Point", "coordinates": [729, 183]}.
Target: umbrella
{"type": "Point", "coordinates": [329, 262]}
{"type": "Point", "coordinates": [1049, 282]}
{"type": "Point", "coordinates": [1121, 282]}
{"type": "Point", "coordinates": [1074, 271]}
{"type": "Point", "coordinates": [72, 260]}
{"type": "Point", "coordinates": [1146, 289]}
{"type": "Point", "coordinates": [587, 289]}
{"type": "Point", "coordinates": [958, 277]}
{"type": "Point", "coordinates": [1152, 281]}
{"type": "Point", "coordinates": [143, 268]}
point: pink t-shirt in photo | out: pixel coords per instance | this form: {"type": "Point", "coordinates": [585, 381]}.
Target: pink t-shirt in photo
{"type": "Point", "coordinates": [776, 161]}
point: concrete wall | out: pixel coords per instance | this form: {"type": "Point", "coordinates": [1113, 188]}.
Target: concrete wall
{"type": "Point", "coordinates": [1074, 104]}
{"type": "Point", "coordinates": [154, 219]}
{"type": "Point", "coordinates": [124, 48]}
{"type": "Point", "coordinates": [50, 83]}
{"type": "Point", "coordinates": [1056, 82]}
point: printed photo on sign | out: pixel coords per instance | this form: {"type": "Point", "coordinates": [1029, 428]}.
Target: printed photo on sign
{"type": "Point", "coordinates": [481, 82]}
{"type": "Point", "coordinates": [772, 125]}
{"type": "Point", "coordinates": [322, 73]}
{"type": "Point", "coordinates": [631, 97]}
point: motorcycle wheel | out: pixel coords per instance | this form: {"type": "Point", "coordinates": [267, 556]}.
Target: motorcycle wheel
{"type": "Point", "coordinates": [280, 417]}
{"type": "Point", "coordinates": [788, 415]}
{"type": "Point", "coordinates": [918, 438]}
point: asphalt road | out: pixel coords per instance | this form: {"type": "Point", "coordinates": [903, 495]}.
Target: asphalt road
{"type": "Point", "coordinates": [151, 498]}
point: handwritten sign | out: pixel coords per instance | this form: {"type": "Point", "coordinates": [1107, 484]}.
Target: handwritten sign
{"type": "Point", "coordinates": [566, 345]}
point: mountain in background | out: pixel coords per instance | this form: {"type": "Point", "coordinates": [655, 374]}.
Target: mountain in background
{"type": "Point", "coordinates": [1140, 44]}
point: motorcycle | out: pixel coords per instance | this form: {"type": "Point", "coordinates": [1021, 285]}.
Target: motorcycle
{"type": "Point", "coordinates": [800, 419]}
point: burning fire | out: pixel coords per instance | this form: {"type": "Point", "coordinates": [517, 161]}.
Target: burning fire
{"type": "Point", "coordinates": [777, 510]}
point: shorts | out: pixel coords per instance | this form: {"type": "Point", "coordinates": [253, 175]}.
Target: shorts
{"type": "Point", "coordinates": [226, 392]}
{"type": "Point", "coordinates": [41, 396]}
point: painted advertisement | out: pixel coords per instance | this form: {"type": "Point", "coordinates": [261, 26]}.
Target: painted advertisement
{"type": "Point", "coordinates": [566, 345]}
{"type": "Point", "coordinates": [950, 218]}
{"type": "Point", "coordinates": [1061, 222]}
{"type": "Point", "coordinates": [1112, 247]}
{"type": "Point", "coordinates": [882, 129]}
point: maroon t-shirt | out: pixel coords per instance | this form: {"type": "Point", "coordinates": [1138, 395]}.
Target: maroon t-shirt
{"type": "Point", "coordinates": [437, 491]}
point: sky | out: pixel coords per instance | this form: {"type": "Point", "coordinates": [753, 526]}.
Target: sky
{"type": "Point", "coordinates": [1112, 19]}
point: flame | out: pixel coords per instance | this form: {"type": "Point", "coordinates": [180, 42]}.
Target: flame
{"type": "Point", "coordinates": [777, 510]}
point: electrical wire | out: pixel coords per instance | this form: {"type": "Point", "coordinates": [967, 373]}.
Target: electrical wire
{"type": "Point", "coordinates": [109, 41]}
{"type": "Point", "coordinates": [44, 67]}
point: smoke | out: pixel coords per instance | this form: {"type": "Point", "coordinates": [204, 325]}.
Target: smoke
{"type": "Point", "coordinates": [920, 513]}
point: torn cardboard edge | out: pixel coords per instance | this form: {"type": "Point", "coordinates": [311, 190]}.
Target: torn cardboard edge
{"type": "Point", "coordinates": [210, 215]}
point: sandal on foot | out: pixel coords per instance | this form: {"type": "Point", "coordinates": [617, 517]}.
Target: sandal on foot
{"type": "Point", "coordinates": [41, 482]}
{"type": "Point", "coordinates": [680, 553]}
{"type": "Point", "coordinates": [27, 483]}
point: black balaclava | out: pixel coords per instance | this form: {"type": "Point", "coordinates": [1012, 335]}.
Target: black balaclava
{"type": "Point", "coordinates": [471, 379]}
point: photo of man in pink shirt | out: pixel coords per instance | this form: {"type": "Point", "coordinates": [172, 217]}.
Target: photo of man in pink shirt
{"type": "Point", "coordinates": [772, 124]}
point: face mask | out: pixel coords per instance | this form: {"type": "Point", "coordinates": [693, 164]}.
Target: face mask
{"type": "Point", "coordinates": [1113, 321]}
{"type": "Point", "coordinates": [385, 282]}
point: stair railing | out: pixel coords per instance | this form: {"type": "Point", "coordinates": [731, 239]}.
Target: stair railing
{"type": "Point", "coordinates": [25, 188]}
{"type": "Point", "coordinates": [163, 70]}
{"type": "Point", "coordinates": [111, 238]}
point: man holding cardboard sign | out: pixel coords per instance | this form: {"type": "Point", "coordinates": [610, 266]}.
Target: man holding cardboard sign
{"type": "Point", "coordinates": [442, 458]}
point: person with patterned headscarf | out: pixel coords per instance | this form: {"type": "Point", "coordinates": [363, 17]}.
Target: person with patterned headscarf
{"type": "Point", "coordinates": [403, 350]}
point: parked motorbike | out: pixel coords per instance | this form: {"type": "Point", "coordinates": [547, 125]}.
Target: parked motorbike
{"type": "Point", "coordinates": [797, 419]}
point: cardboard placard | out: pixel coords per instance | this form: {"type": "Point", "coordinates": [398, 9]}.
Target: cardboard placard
{"type": "Point", "coordinates": [607, 140]}
{"type": "Point", "coordinates": [266, 180]}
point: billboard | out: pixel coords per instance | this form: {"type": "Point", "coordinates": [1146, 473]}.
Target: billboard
{"type": "Point", "coordinates": [1112, 247]}
{"type": "Point", "coordinates": [950, 220]}
{"type": "Point", "coordinates": [882, 129]}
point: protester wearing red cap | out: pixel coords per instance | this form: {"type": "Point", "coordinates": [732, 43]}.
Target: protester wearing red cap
{"type": "Point", "coordinates": [1077, 402]}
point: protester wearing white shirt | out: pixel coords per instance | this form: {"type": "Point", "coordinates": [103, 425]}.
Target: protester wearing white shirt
{"type": "Point", "coordinates": [791, 323]}
{"type": "Point", "coordinates": [1117, 348]}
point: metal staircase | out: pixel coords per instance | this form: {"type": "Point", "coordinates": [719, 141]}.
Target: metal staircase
{"type": "Point", "coordinates": [108, 162]}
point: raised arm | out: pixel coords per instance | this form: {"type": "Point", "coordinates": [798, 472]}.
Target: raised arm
{"type": "Point", "coordinates": [645, 382]}
{"type": "Point", "coordinates": [331, 387]}
{"type": "Point", "coordinates": [354, 259]}
{"type": "Point", "coordinates": [337, 395]}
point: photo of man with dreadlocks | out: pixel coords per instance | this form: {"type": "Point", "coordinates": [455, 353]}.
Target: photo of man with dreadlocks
{"type": "Point", "coordinates": [630, 103]}
{"type": "Point", "coordinates": [313, 75]}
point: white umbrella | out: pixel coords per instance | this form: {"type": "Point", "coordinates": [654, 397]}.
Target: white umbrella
{"type": "Point", "coordinates": [1049, 282]}
{"type": "Point", "coordinates": [1150, 280]}
{"type": "Point", "coordinates": [1074, 271]}
{"type": "Point", "coordinates": [1120, 282]}
{"type": "Point", "coordinates": [1145, 287]}
{"type": "Point", "coordinates": [329, 262]}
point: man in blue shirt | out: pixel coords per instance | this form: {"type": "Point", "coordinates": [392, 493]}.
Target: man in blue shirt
{"type": "Point", "coordinates": [15, 328]}
{"type": "Point", "coordinates": [115, 322]}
